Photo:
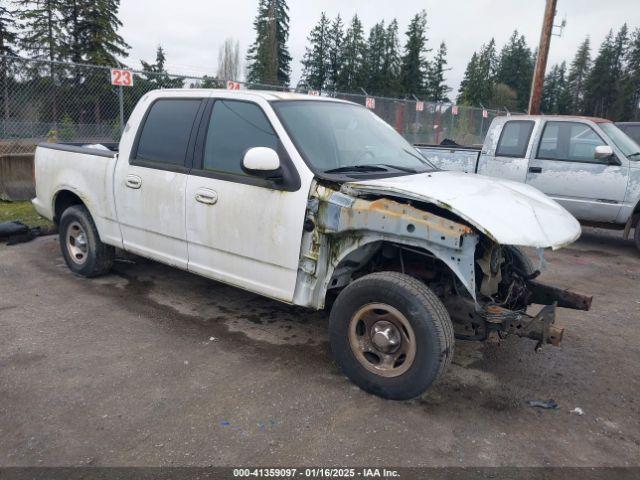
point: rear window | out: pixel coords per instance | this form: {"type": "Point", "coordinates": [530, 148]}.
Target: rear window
{"type": "Point", "coordinates": [166, 131]}
{"type": "Point", "coordinates": [514, 139]}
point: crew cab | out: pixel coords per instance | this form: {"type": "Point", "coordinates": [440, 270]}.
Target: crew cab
{"type": "Point", "coordinates": [315, 202]}
{"type": "Point", "coordinates": [588, 165]}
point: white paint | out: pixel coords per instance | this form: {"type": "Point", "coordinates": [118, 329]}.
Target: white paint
{"type": "Point", "coordinates": [510, 212]}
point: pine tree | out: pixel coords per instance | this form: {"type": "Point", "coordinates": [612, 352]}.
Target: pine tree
{"type": "Point", "coordinates": [316, 61]}
{"type": "Point", "coordinates": [391, 64]}
{"type": "Point", "coordinates": [554, 97]}
{"type": "Point", "coordinates": [414, 65]}
{"type": "Point", "coordinates": [376, 47]}
{"type": "Point", "coordinates": [478, 85]}
{"type": "Point", "coordinates": [74, 22]}
{"type": "Point", "coordinates": [101, 43]}
{"type": "Point", "coordinates": [8, 47]}
{"type": "Point", "coordinates": [577, 78]}
{"type": "Point", "coordinates": [630, 92]}
{"type": "Point", "coordinates": [268, 57]}
{"type": "Point", "coordinates": [229, 60]}
{"type": "Point", "coordinates": [157, 74]}
{"type": "Point", "coordinates": [436, 88]}
{"type": "Point", "coordinates": [336, 44]}
{"type": "Point", "coordinates": [42, 25]}
{"type": "Point", "coordinates": [352, 74]}
{"type": "Point", "coordinates": [515, 68]}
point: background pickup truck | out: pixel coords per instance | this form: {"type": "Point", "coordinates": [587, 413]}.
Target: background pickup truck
{"type": "Point", "coordinates": [588, 165]}
{"type": "Point", "coordinates": [313, 202]}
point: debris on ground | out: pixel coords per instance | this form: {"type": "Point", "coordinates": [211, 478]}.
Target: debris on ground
{"type": "Point", "coordinates": [548, 405]}
{"type": "Point", "coordinates": [15, 232]}
{"type": "Point", "coordinates": [578, 411]}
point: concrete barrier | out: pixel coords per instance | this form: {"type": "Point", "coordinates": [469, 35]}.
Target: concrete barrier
{"type": "Point", "coordinates": [16, 177]}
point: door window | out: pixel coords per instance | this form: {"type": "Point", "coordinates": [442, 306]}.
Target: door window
{"type": "Point", "coordinates": [569, 141]}
{"type": "Point", "coordinates": [514, 139]}
{"type": "Point", "coordinates": [235, 127]}
{"type": "Point", "coordinates": [167, 128]}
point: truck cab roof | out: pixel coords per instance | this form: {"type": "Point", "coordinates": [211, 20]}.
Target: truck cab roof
{"type": "Point", "coordinates": [263, 94]}
{"type": "Point", "coordinates": [566, 118]}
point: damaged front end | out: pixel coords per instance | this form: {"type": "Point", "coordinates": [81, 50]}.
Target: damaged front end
{"type": "Point", "coordinates": [486, 287]}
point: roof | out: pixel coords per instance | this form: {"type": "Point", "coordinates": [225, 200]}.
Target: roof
{"type": "Point", "coordinates": [265, 94]}
{"type": "Point", "coordinates": [563, 117]}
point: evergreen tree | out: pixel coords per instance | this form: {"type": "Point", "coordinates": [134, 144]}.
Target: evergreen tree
{"type": "Point", "coordinates": [74, 22]}
{"type": "Point", "coordinates": [577, 78]}
{"type": "Point", "coordinates": [515, 68]}
{"type": "Point", "coordinates": [352, 74]}
{"type": "Point", "coordinates": [268, 57]}
{"type": "Point", "coordinates": [101, 43]}
{"type": "Point", "coordinates": [554, 97]}
{"type": "Point", "coordinates": [157, 74]}
{"type": "Point", "coordinates": [229, 60]}
{"type": "Point", "coordinates": [414, 65]}
{"type": "Point", "coordinates": [391, 64]}
{"type": "Point", "coordinates": [376, 47]}
{"type": "Point", "coordinates": [630, 91]}
{"type": "Point", "coordinates": [478, 85]}
{"type": "Point", "coordinates": [336, 44]}
{"type": "Point", "coordinates": [43, 35]}
{"type": "Point", "coordinates": [436, 88]}
{"type": "Point", "coordinates": [8, 46]}
{"type": "Point", "coordinates": [316, 61]}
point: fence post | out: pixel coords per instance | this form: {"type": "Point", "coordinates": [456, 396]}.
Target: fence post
{"type": "Point", "coordinates": [121, 101]}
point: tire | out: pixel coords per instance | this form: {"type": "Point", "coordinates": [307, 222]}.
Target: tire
{"type": "Point", "coordinates": [80, 244]}
{"type": "Point", "coordinates": [361, 315]}
{"type": "Point", "coordinates": [522, 261]}
{"type": "Point", "coordinates": [636, 234]}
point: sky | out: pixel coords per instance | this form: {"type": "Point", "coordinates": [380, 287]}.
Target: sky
{"type": "Point", "coordinates": [191, 31]}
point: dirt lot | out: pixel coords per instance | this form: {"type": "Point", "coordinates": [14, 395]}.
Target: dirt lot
{"type": "Point", "coordinates": [152, 366]}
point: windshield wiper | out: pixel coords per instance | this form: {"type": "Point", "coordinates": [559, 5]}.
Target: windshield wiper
{"type": "Point", "coordinates": [357, 168]}
{"type": "Point", "coordinates": [633, 154]}
{"type": "Point", "coordinates": [404, 169]}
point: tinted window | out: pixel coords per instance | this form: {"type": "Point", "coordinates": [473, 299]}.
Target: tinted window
{"type": "Point", "coordinates": [575, 142]}
{"type": "Point", "coordinates": [166, 131]}
{"type": "Point", "coordinates": [514, 139]}
{"type": "Point", "coordinates": [235, 127]}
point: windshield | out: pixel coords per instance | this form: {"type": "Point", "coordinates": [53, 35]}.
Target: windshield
{"type": "Point", "coordinates": [622, 141]}
{"type": "Point", "coordinates": [340, 137]}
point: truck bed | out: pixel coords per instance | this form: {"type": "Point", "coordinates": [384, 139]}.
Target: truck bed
{"type": "Point", "coordinates": [457, 158]}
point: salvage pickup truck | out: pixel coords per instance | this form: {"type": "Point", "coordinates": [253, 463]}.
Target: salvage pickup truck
{"type": "Point", "coordinates": [588, 165]}
{"type": "Point", "coordinates": [314, 202]}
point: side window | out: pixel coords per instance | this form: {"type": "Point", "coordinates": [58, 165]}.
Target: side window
{"type": "Point", "coordinates": [569, 141]}
{"type": "Point", "coordinates": [234, 128]}
{"type": "Point", "coordinates": [514, 139]}
{"type": "Point", "coordinates": [166, 131]}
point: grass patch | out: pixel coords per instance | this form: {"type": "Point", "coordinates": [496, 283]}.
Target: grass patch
{"type": "Point", "coordinates": [24, 212]}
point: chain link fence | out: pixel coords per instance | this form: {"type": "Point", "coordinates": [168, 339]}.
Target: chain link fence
{"type": "Point", "coordinates": [66, 102]}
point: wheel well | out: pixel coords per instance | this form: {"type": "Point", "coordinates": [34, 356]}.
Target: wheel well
{"type": "Point", "coordinates": [64, 199]}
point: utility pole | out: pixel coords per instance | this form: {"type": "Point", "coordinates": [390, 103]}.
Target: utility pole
{"type": "Point", "coordinates": [541, 60]}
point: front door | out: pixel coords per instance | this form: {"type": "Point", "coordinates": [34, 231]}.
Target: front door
{"type": "Point", "coordinates": [150, 186]}
{"type": "Point", "coordinates": [242, 229]}
{"type": "Point", "coordinates": [565, 169]}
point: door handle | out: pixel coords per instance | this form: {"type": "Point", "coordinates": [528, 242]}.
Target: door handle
{"type": "Point", "coordinates": [133, 181]}
{"type": "Point", "coordinates": [535, 169]}
{"type": "Point", "coordinates": [208, 197]}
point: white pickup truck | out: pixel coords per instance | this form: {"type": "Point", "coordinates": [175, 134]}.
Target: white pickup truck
{"type": "Point", "coordinates": [588, 165]}
{"type": "Point", "coordinates": [314, 201]}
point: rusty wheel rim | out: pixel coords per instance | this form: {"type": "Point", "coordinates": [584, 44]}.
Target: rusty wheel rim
{"type": "Point", "coordinates": [382, 339]}
{"type": "Point", "coordinates": [77, 245]}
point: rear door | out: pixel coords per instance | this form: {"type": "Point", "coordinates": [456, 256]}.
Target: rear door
{"type": "Point", "coordinates": [150, 186]}
{"type": "Point", "coordinates": [242, 229]}
{"type": "Point", "coordinates": [564, 168]}
{"type": "Point", "coordinates": [509, 158]}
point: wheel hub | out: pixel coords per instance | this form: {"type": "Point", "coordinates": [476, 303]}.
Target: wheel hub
{"type": "Point", "coordinates": [77, 244]}
{"type": "Point", "coordinates": [385, 336]}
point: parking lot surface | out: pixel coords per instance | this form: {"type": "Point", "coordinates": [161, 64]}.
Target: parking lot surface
{"type": "Point", "coordinates": [153, 366]}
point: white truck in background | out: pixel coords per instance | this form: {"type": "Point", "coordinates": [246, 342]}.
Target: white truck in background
{"type": "Point", "coordinates": [308, 200]}
{"type": "Point", "coordinates": [588, 165]}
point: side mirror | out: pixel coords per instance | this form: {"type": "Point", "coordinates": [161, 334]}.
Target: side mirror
{"type": "Point", "coordinates": [603, 152]}
{"type": "Point", "coordinates": [261, 161]}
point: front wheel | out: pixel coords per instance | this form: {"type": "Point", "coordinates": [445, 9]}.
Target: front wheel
{"type": "Point", "coordinates": [636, 234]}
{"type": "Point", "coordinates": [391, 335]}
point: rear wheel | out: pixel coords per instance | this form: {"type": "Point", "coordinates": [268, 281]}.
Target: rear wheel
{"type": "Point", "coordinates": [80, 244]}
{"type": "Point", "coordinates": [636, 234]}
{"type": "Point", "coordinates": [391, 335]}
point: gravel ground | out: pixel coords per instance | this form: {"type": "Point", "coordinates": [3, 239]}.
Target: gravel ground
{"type": "Point", "coordinates": [151, 366]}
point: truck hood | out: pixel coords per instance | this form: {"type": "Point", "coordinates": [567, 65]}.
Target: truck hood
{"type": "Point", "coordinates": [508, 212]}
